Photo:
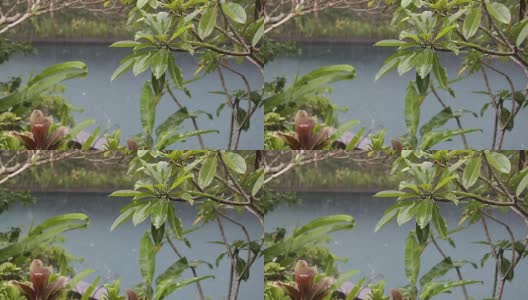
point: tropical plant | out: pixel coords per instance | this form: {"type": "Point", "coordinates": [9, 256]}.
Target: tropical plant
{"type": "Point", "coordinates": [41, 285]}
{"type": "Point", "coordinates": [216, 182]}
{"type": "Point", "coordinates": [218, 34]}
{"type": "Point", "coordinates": [42, 92]}
{"type": "Point", "coordinates": [482, 34]}
{"type": "Point", "coordinates": [132, 295]}
{"type": "Point", "coordinates": [41, 138]}
{"type": "Point", "coordinates": [308, 96]}
{"type": "Point", "coordinates": [307, 243]}
{"type": "Point", "coordinates": [305, 288]}
{"type": "Point", "coordinates": [479, 181]}
{"type": "Point", "coordinates": [485, 186]}
{"type": "Point", "coordinates": [45, 233]}
{"type": "Point", "coordinates": [304, 137]}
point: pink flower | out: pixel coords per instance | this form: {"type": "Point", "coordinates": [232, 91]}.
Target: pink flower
{"type": "Point", "coordinates": [304, 287]}
{"type": "Point", "coordinates": [40, 288]}
{"type": "Point", "coordinates": [40, 137]}
{"type": "Point", "coordinates": [304, 137]}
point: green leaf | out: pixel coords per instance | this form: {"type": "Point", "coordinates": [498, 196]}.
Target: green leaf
{"type": "Point", "coordinates": [327, 221]}
{"type": "Point", "coordinates": [71, 69]}
{"type": "Point", "coordinates": [45, 82]}
{"type": "Point", "coordinates": [172, 136]}
{"type": "Point", "coordinates": [127, 214]}
{"type": "Point", "coordinates": [175, 223]}
{"type": "Point", "coordinates": [125, 44]}
{"type": "Point", "coordinates": [310, 234]}
{"type": "Point", "coordinates": [180, 180]}
{"type": "Point", "coordinates": [356, 290]}
{"type": "Point", "coordinates": [389, 194]}
{"type": "Point", "coordinates": [522, 185]}
{"type": "Point", "coordinates": [423, 84]}
{"type": "Point", "coordinates": [316, 81]}
{"type": "Point", "coordinates": [159, 63]}
{"type": "Point", "coordinates": [147, 259]}
{"type": "Point", "coordinates": [389, 215]}
{"type": "Point", "coordinates": [424, 212]}
{"type": "Point", "coordinates": [175, 72]}
{"type": "Point", "coordinates": [412, 258]}
{"type": "Point", "coordinates": [406, 213]}
{"type": "Point", "coordinates": [90, 140]}
{"type": "Point", "coordinates": [174, 271]}
{"type": "Point", "coordinates": [47, 231]}
{"type": "Point", "coordinates": [406, 64]}
{"type": "Point", "coordinates": [190, 16]}
{"type": "Point", "coordinates": [424, 62]}
{"type": "Point", "coordinates": [258, 34]}
{"type": "Point", "coordinates": [258, 185]}
{"type": "Point", "coordinates": [207, 22]}
{"type": "Point", "coordinates": [344, 128]}
{"type": "Point", "coordinates": [343, 277]}
{"type": "Point", "coordinates": [439, 222]}
{"type": "Point", "coordinates": [405, 3]}
{"type": "Point", "coordinates": [439, 72]}
{"type": "Point", "coordinates": [173, 121]}
{"type": "Point", "coordinates": [439, 270]}
{"type": "Point", "coordinates": [78, 278]}
{"type": "Point", "coordinates": [235, 162]}
{"type": "Point", "coordinates": [445, 181]}
{"type": "Point", "coordinates": [438, 120]}
{"type": "Point", "coordinates": [386, 68]}
{"type": "Point", "coordinates": [141, 64]}
{"type": "Point", "coordinates": [390, 43]}
{"type": "Point", "coordinates": [471, 172]}
{"type": "Point", "coordinates": [159, 212]}
{"type": "Point", "coordinates": [505, 269]}
{"type": "Point", "coordinates": [445, 31]}
{"type": "Point", "coordinates": [207, 172]}
{"type": "Point", "coordinates": [437, 287]}
{"type": "Point", "coordinates": [125, 193]}
{"type": "Point", "coordinates": [412, 109]}
{"type": "Point", "coordinates": [80, 127]}
{"type": "Point", "coordinates": [180, 31]}
{"type": "Point", "coordinates": [472, 22]}
{"type": "Point", "coordinates": [90, 290]}
{"type": "Point", "coordinates": [435, 137]}
{"type": "Point", "coordinates": [141, 3]}
{"type": "Point", "coordinates": [499, 12]}
{"type": "Point", "coordinates": [123, 67]}
{"type": "Point", "coordinates": [58, 221]}
{"type": "Point", "coordinates": [352, 145]}
{"type": "Point", "coordinates": [235, 12]}
{"type": "Point", "coordinates": [422, 234]}
{"type": "Point", "coordinates": [141, 214]}
{"type": "Point", "coordinates": [147, 104]}
{"type": "Point", "coordinates": [168, 286]}
{"type": "Point", "coordinates": [498, 161]}
{"type": "Point", "coordinates": [522, 34]}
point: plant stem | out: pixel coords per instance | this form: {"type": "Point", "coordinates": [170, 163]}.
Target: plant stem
{"type": "Point", "coordinates": [193, 269]}
{"type": "Point", "coordinates": [457, 269]}
{"type": "Point", "coordinates": [195, 124]}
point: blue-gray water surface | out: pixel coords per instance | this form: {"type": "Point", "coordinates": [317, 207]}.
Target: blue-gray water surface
{"type": "Point", "coordinates": [377, 104]}
{"type": "Point", "coordinates": [380, 104]}
{"type": "Point", "coordinates": [115, 254]}
{"type": "Point", "coordinates": [381, 254]}
{"type": "Point", "coordinates": [115, 104]}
